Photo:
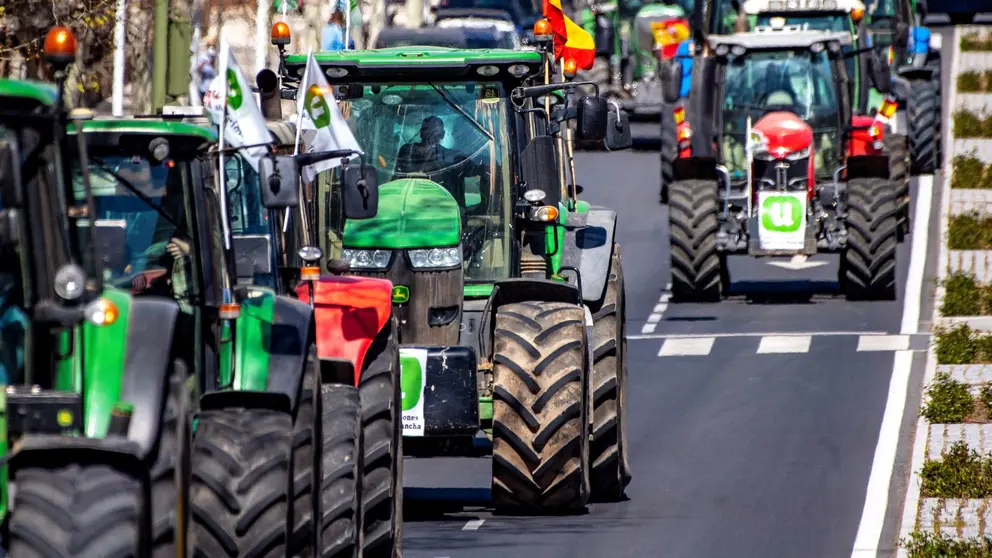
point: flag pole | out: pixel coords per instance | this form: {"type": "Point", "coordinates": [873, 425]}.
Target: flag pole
{"type": "Point", "coordinates": [568, 145]}
{"type": "Point", "coordinates": [302, 90]}
{"type": "Point", "coordinates": [347, 23]}
{"type": "Point", "coordinates": [225, 54]}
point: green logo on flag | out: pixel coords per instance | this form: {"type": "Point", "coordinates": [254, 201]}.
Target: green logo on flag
{"type": "Point", "coordinates": [234, 96]}
{"type": "Point", "coordinates": [411, 381]}
{"type": "Point", "coordinates": [317, 108]}
{"type": "Point", "coordinates": [781, 213]}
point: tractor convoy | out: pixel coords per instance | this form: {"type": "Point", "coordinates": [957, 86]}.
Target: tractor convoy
{"type": "Point", "coordinates": [228, 349]}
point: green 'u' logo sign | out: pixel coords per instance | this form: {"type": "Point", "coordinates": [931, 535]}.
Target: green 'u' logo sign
{"type": "Point", "coordinates": [317, 108]}
{"type": "Point", "coordinates": [411, 381]}
{"type": "Point", "coordinates": [781, 213]}
{"type": "Point", "coordinates": [234, 94]}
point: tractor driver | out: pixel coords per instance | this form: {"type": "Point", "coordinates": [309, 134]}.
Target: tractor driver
{"type": "Point", "coordinates": [447, 167]}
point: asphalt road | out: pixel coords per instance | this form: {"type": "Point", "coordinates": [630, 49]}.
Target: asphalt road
{"type": "Point", "coordinates": [752, 448]}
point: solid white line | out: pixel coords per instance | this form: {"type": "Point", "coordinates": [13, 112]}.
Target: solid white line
{"type": "Point", "coordinates": [699, 346]}
{"type": "Point", "coordinates": [883, 343]}
{"type": "Point", "coordinates": [774, 344]}
{"type": "Point", "coordinates": [757, 334]}
{"type": "Point", "coordinates": [866, 542]}
{"type": "Point", "coordinates": [473, 525]}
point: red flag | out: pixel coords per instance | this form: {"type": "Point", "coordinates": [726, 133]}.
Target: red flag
{"type": "Point", "coordinates": [579, 46]}
{"type": "Point", "coordinates": [556, 17]}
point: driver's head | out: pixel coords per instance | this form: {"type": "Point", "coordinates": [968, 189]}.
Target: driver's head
{"type": "Point", "coordinates": [432, 130]}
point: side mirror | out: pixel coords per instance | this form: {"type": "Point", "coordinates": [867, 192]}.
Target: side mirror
{"type": "Point", "coordinates": [539, 168]}
{"type": "Point", "coordinates": [671, 80]}
{"type": "Point", "coordinates": [618, 135]}
{"type": "Point", "coordinates": [278, 176]}
{"type": "Point", "coordinates": [881, 73]}
{"type": "Point", "coordinates": [360, 192]}
{"type": "Point", "coordinates": [592, 112]}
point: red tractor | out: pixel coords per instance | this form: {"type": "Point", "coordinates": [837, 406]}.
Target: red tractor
{"type": "Point", "coordinates": [771, 162]}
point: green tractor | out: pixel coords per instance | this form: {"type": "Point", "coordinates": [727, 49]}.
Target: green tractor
{"type": "Point", "coordinates": [93, 392]}
{"type": "Point", "coordinates": [508, 290]}
{"type": "Point", "coordinates": [631, 38]}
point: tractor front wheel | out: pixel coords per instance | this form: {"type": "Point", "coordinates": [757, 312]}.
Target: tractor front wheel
{"type": "Point", "coordinates": [669, 150]}
{"type": "Point", "coordinates": [382, 489]}
{"type": "Point", "coordinates": [923, 116]}
{"type": "Point", "coordinates": [610, 465]}
{"type": "Point", "coordinates": [86, 511]}
{"type": "Point", "coordinates": [540, 408]}
{"type": "Point", "coordinates": [241, 483]}
{"type": "Point", "coordinates": [699, 272]}
{"type": "Point", "coordinates": [868, 263]}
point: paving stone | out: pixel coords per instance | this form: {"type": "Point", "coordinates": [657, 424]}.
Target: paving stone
{"type": "Point", "coordinates": [941, 437]}
{"type": "Point", "coordinates": [974, 61]}
{"type": "Point", "coordinates": [965, 201]}
{"type": "Point", "coordinates": [979, 103]}
{"type": "Point", "coordinates": [974, 262]}
{"type": "Point", "coordinates": [971, 524]}
{"type": "Point", "coordinates": [977, 147]}
{"type": "Point", "coordinates": [947, 518]}
{"type": "Point", "coordinates": [929, 508]}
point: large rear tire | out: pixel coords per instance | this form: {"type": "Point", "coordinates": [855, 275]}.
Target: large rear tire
{"type": "Point", "coordinates": [171, 468]}
{"type": "Point", "coordinates": [303, 495]}
{"type": "Point", "coordinates": [868, 263]}
{"type": "Point", "coordinates": [698, 270]}
{"type": "Point", "coordinates": [898, 147]}
{"type": "Point", "coordinates": [608, 460]}
{"type": "Point", "coordinates": [340, 512]}
{"type": "Point", "coordinates": [241, 483]}
{"type": "Point", "coordinates": [669, 150]}
{"type": "Point", "coordinates": [382, 489]}
{"type": "Point", "coordinates": [90, 511]}
{"type": "Point", "coordinates": [540, 409]}
{"type": "Point", "coordinates": [923, 116]}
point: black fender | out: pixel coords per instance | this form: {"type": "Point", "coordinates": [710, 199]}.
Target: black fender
{"type": "Point", "coordinates": [868, 166]}
{"type": "Point", "coordinates": [588, 247]}
{"type": "Point", "coordinates": [231, 399]}
{"type": "Point", "coordinates": [292, 336]}
{"type": "Point", "coordinates": [148, 362]}
{"type": "Point", "coordinates": [509, 291]}
{"type": "Point", "coordinates": [337, 371]}
{"type": "Point", "coordinates": [694, 168]}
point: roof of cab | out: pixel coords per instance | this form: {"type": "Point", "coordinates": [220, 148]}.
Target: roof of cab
{"type": "Point", "coordinates": [779, 40]}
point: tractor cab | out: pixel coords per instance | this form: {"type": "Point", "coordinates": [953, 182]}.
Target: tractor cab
{"type": "Point", "coordinates": [790, 166]}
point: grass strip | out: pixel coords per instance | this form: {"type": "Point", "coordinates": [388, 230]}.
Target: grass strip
{"type": "Point", "coordinates": [962, 345]}
{"type": "Point", "coordinates": [970, 231]}
{"type": "Point", "coordinates": [948, 401]}
{"type": "Point", "coordinates": [931, 545]}
{"type": "Point", "coordinates": [970, 125]}
{"type": "Point", "coordinates": [959, 473]}
{"type": "Point", "coordinates": [972, 42]}
{"type": "Point", "coordinates": [970, 82]}
{"type": "Point", "coordinates": [970, 173]}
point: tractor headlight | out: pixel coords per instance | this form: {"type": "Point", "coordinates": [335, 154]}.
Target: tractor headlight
{"type": "Point", "coordinates": [366, 259]}
{"type": "Point", "coordinates": [436, 257]}
{"type": "Point", "coordinates": [801, 154]}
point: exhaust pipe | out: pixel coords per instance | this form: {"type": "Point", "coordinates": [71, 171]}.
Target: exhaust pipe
{"type": "Point", "coordinates": [268, 91]}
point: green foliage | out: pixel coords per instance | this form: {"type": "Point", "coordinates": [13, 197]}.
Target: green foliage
{"type": "Point", "coordinates": [963, 296]}
{"type": "Point", "coordinates": [970, 82]}
{"type": "Point", "coordinates": [959, 473]}
{"type": "Point", "coordinates": [970, 172]}
{"type": "Point", "coordinates": [954, 346]}
{"type": "Point", "coordinates": [930, 545]}
{"type": "Point", "coordinates": [973, 42]}
{"type": "Point", "coordinates": [970, 125]}
{"type": "Point", "coordinates": [948, 401]}
{"type": "Point", "coordinates": [970, 231]}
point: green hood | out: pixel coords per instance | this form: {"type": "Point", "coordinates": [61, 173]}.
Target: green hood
{"type": "Point", "coordinates": [413, 213]}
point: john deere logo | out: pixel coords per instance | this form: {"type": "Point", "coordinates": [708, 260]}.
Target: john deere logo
{"type": "Point", "coordinates": [64, 418]}
{"type": "Point", "coordinates": [316, 107]}
{"type": "Point", "coordinates": [234, 95]}
{"type": "Point", "coordinates": [401, 294]}
{"type": "Point", "coordinates": [411, 381]}
{"type": "Point", "coordinates": [781, 213]}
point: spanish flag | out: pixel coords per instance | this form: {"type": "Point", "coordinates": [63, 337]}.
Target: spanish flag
{"type": "Point", "coordinates": [579, 45]}
{"type": "Point", "coordinates": [556, 17]}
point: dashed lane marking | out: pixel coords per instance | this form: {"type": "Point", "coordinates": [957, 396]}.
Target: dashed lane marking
{"type": "Point", "coordinates": [473, 525]}
{"type": "Point", "coordinates": [784, 344]}
{"type": "Point", "coordinates": [883, 343]}
{"type": "Point", "coordinates": [690, 346]}
{"type": "Point", "coordinates": [656, 313]}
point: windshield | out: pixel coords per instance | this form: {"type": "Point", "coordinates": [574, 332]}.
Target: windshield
{"type": "Point", "coordinates": [454, 134]}
{"type": "Point", "coordinates": [140, 222]}
{"type": "Point", "coordinates": [516, 8]}
{"type": "Point", "coordinates": [811, 21]}
{"type": "Point", "coordinates": [796, 81]}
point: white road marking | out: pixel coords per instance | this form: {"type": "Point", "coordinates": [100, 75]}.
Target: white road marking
{"type": "Point", "coordinates": [797, 263]}
{"type": "Point", "coordinates": [866, 542]}
{"type": "Point", "coordinates": [883, 343]}
{"type": "Point", "coordinates": [784, 344]}
{"type": "Point", "coordinates": [689, 346]}
{"type": "Point", "coordinates": [659, 309]}
{"type": "Point", "coordinates": [756, 334]}
{"type": "Point", "coordinates": [473, 525]}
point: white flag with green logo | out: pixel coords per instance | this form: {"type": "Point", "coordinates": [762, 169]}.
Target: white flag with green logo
{"type": "Point", "coordinates": [319, 113]}
{"type": "Point", "coordinates": [243, 123]}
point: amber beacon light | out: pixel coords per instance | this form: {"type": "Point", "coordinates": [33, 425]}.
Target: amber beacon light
{"type": "Point", "coordinates": [60, 47]}
{"type": "Point", "coordinates": [280, 33]}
